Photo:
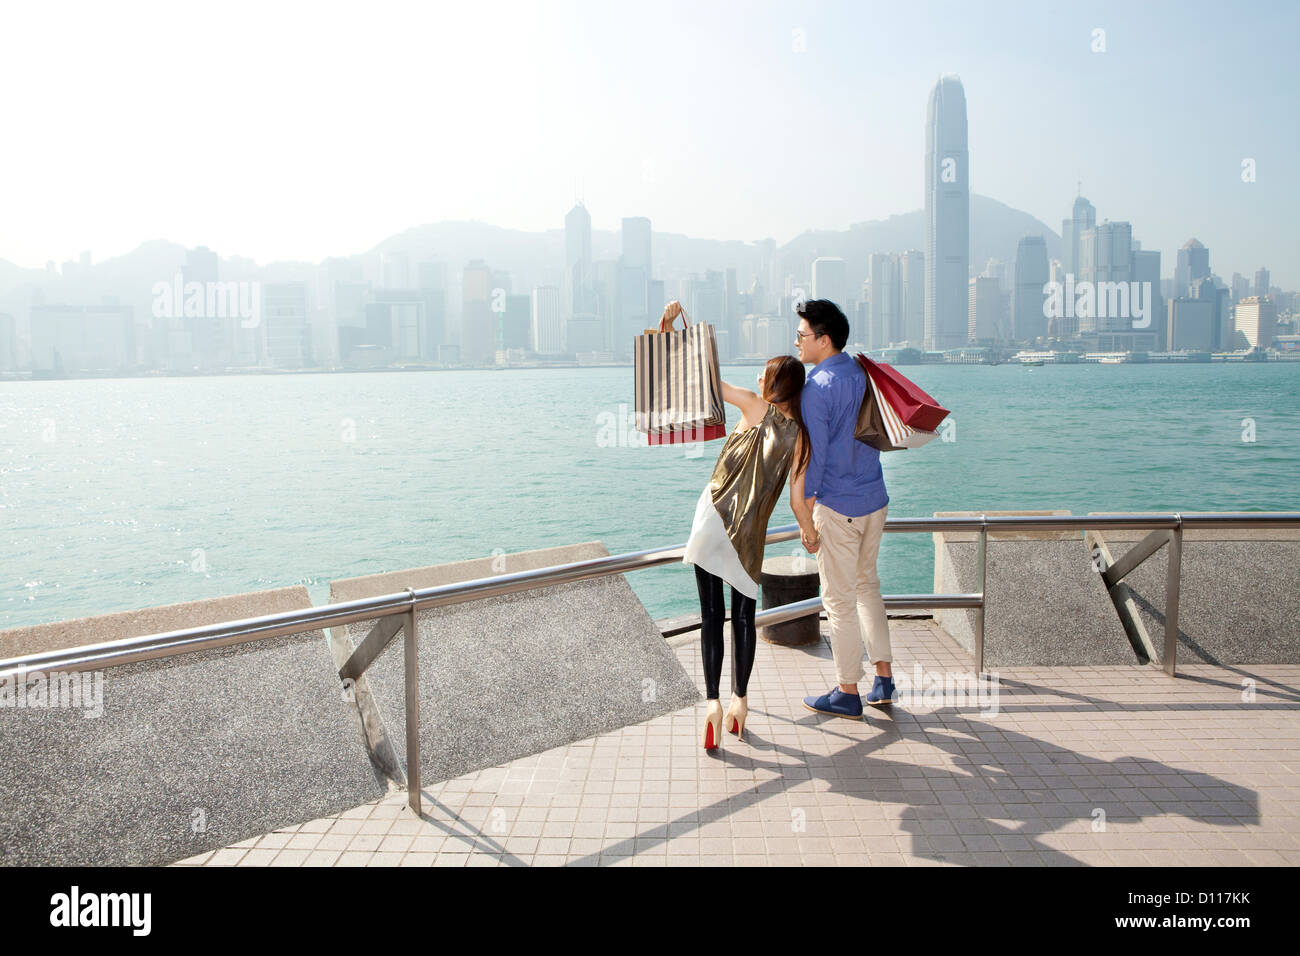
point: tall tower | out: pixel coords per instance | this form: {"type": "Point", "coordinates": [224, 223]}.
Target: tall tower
{"type": "Point", "coordinates": [830, 280]}
{"type": "Point", "coordinates": [633, 294]}
{"type": "Point", "coordinates": [911, 284]}
{"type": "Point", "coordinates": [1028, 321]}
{"type": "Point", "coordinates": [1082, 218]}
{"type": "Point", "coordinates": [1105, 255]}
{"type": "Point", "coordinates": [1261, 282]}
{"type": "Point", "coordinates": [1193, 263]}
{"type": "Point", "coordinates": [577, 260]}
{"type": "Point", "coordinates": [947, 216]}
{"type": "Point", "coordinates": [882, 314]}
{"type": "Point", "coordinates": [478, 333]}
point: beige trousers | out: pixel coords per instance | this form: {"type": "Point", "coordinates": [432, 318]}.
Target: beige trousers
{"type": "Point", "coordinates": [846, 564]}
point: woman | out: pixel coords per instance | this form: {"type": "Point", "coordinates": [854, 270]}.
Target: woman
{"type": "Point", "coordinates": [730, 527]}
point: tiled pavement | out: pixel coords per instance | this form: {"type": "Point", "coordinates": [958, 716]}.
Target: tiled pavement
{"type": "Point", "coordinates": [1063, 766]}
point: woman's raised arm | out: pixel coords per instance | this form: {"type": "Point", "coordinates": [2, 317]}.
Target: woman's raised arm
{"type": "Point", "coordinates": [752, 407]}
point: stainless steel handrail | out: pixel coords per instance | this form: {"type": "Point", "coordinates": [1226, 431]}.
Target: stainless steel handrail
{"type": "Point", "coordinates": [209, 636]}
{"type": "Point", "coordinates": [411, 600]}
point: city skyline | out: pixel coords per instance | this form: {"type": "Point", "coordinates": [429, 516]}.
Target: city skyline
{"type": "Point", "coordinates": [572, 299]}
{"type": "Point", "coordinates": [709, 153]}
{"type": "Point", "coordinates": [397, 304]}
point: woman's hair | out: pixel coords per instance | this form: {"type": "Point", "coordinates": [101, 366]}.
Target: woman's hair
{"type": "Point", "coordinates": [783, 379]}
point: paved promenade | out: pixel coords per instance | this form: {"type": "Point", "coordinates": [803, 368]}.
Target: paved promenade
{"type": "Point", "coordinates": [1065, 766]}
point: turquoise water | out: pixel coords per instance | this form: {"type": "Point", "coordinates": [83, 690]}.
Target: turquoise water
{"type": "Point", "coordinates": [125, 493]}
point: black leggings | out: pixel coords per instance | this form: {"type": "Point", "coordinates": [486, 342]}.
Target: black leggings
{"type": "Point", "coordinates": [713, 611]}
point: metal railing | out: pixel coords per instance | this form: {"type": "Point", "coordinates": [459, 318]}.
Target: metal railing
{"type": "Point", "coordinates": [397, 611]}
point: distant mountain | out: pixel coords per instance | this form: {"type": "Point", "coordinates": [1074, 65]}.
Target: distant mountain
{"type": "Point", "coordinates": [534, 258]}
{"type": "Point", "coordinates": [996, 231]}
{"type": "Point", "coordinates": [12, 276]}
{"type": "Point", "coordinates": [154, 261]}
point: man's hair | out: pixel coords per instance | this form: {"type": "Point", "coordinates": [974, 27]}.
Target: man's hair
{"type": "Point", "coordinates": [825, 318]}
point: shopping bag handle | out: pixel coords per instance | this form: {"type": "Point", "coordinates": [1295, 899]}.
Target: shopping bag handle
{"type": "Point", "coordinates": [671, 311]}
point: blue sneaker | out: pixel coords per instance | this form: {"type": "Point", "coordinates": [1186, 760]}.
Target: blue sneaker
{"type": "Point", "coordinates": [837, 704]}
{"type": "Point", "coordinates": [882, 692]}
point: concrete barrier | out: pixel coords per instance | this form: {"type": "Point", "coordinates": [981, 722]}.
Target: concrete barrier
{"type": "Point", "coordinates": [1046, 603]}
{"type": "Point", "coordinates": [186, 754]}
{"type": "Point", "coordinates": [1240, 593]}
{"type": "Point", "coordinates": [509, 676]}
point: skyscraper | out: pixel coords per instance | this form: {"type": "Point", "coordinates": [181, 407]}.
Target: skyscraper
{"type": "Point", "coordinates": [732, 311]}
{"type": "Point", "coordinates": [947, 216]}
{"type": "Point", "coordinates": [1261, 282]}
{"type": "Point", "coordinates": [830, 280]}
{"type": "Point", "coordinates": [1028, 321]}
{"type": "Point", "coordinates": [1145, 272]}
{"type": "Point", "coordinates": [884, 323]}
{"type": "Point", "coordinates": [1082, 217]}
{"type": "Point", "coordinates": [911, 306]}
{"type": "Point", "coordinates": [984, 308]}
{"type": "Point", "coordinates": [577, 260]}
{"type": "Point", "coordinates": [604, 286]}
{"type": "Point", "coordinates": [1256, 321]}
{"type": "Point", "coordinates": [704, 298]}
{"type": "Point", "coordinates": [212, 337]}
{"type": "Point", "coordinates": [1207, 289]}
{"type": "Point", "coordinates": [548, 327]}
{"type": "Point", "coordinates": [1193, 263]}
{"type": "Point", "coordinates": [636, 242]}
{"type": "Point", "coordinates": [477, 333]}
{"type": "Point", "coordinates": [1106, 255]}
{"type": "Point", "coordinates": [431, 277]}
{"type": "Point", "coordinates": [284, 310]}
{"type": "Point", "coordinates": [517, 323]}
{"type": "Point", "coordinates": [632, 295]}
{"type": "Point", "coordinates": [1190, 325]}
{"type": "Point", "coordinates": [1240, 287]}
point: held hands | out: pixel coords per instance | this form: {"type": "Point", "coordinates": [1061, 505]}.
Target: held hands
{"type": "Point", "coordinates": [811, 539]}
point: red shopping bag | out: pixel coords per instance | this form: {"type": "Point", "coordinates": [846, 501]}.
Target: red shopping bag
{"type": "Point", "coordinates": [914, 405]}
{"type": "Point", "coordinates": [879, 424]}
{"type": "Point", "coordinates": [682, 436]}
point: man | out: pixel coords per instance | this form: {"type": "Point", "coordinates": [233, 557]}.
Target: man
{"type": "Point", "coordinates": [845, 490]}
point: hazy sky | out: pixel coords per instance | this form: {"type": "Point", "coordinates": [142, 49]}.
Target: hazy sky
{"type": "Point", "coordinates": [285, 130]}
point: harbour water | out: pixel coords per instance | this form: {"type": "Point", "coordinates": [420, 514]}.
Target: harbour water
{"type": "Point", "coordinates": [123, 493]}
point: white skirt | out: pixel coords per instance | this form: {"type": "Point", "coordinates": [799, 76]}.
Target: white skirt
{"type": "Point", "coordinates": [710, 547]}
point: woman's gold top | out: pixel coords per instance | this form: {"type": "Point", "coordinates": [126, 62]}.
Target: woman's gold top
{"type": "Point", "coordinates": [751, 470]}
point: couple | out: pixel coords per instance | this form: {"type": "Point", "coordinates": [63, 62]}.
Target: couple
{"type": "Point", "coordinates": [803, 430]}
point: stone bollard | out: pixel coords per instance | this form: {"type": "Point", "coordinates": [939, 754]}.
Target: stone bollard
{"type": "Point", "coordinates": [786, 580]}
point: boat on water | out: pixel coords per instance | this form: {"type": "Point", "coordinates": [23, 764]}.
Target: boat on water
{"type": "Point", "coordinates": [1030, 363]}
{"type": "Point", "coordinates": [1110, 360]}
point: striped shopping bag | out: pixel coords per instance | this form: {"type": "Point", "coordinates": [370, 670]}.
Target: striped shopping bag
{"type": "Point", "coordinates": [678, 382]}
{"type": "Point", "coordinates": [879, 423]}
{"type": "Point", "coordinates": [913, 404]}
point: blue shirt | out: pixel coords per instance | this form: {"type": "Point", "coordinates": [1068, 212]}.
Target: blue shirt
{"type": "Point", "coordinates": [844, 474]}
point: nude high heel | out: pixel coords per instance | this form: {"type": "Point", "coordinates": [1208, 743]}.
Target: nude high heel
{"type": "Point", "coordinates": [736, 715]}
{"type": "Point", "coordinates": [713, 726]}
